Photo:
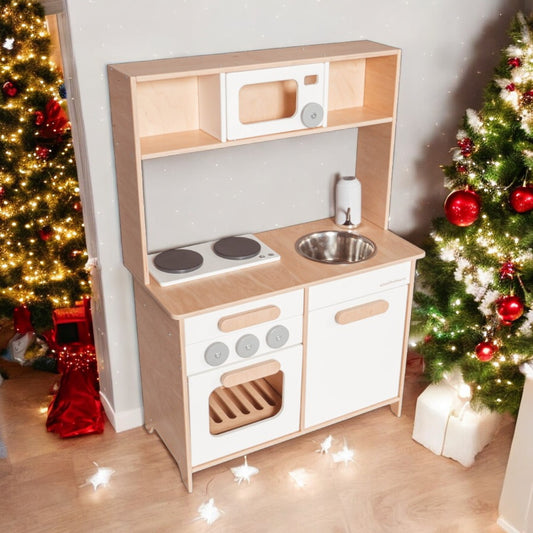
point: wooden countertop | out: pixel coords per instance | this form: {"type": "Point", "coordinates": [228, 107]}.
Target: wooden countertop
{"type": "Point", "coordinates": [291, 272]}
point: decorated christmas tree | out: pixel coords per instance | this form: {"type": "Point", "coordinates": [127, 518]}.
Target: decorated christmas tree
{"type": "Point", "coordinates": [42, 246]}
{"type": "Point", "coordinates": [473, 303]}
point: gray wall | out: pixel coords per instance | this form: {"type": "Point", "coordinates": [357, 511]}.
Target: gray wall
{"type": "Point", "coordinates": [245, 189]}
{"type": "Point", "coordinates": [449, 50]}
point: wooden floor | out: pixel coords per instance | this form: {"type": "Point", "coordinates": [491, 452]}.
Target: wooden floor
{"type": "Point", "coordinates": [394, 485]}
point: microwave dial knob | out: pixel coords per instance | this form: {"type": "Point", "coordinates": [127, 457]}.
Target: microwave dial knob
{"type": "Point", "coordinates": [312, 115]}
{"type": "Point", "coordinates": [216, 353]}
{"type": "Point", "coordinates": [247, 345]}
{"type": "Point", "coordinates": [277, 336]}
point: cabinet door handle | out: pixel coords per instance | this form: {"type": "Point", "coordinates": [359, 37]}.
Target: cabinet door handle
{"type": "Point", "coordinates": [250, 373]}
{"type": "Point", "coordinates": [248, 318]}
{"type": "Point", "coordinates": [360, 312]}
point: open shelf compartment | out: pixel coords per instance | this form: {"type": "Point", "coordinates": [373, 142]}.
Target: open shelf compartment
{"type": "Point", "coordinates": [186, 113]}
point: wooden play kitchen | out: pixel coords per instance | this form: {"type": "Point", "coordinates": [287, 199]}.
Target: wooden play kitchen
{"type": "Point", "coordinates": [236, 360]}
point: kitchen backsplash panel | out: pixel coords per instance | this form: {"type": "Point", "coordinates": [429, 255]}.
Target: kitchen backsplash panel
{"type": "Point", "coordinates": [203, 196]}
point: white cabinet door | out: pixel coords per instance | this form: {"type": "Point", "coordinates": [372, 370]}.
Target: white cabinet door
{"type": "Point", "coordinates": [354, 354]}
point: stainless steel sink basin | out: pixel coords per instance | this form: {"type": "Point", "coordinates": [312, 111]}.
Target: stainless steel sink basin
{"type": "Point", "coordinates": [335, 247]}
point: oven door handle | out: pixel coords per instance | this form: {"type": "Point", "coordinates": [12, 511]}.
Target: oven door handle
{"type": "Point", "coordinates": [250, 373]}
{"type": "Point", "coordinates": [248, 318]}
{"type": "Point", "coordinates": [360, 312]}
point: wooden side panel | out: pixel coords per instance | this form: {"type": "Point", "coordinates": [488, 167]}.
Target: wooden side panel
{"type": "Point", "coordinates": [211, 109]}
{"type": "Point", "coordinates": [129, 174]}
{"type": "Point", "coordinates": [396, 408]}
{"type": "Point", "coordinates": [375, 148]}
{"type": "Point", "coordinates": [374, 169]}
{"type": "Point", "coordinates": [164, 385]}
{"type": "Point", "coordinates": [381, 83]}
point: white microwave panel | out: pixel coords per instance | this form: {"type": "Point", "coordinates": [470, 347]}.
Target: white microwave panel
{"type": "Point", "coordinates": [264, 89]}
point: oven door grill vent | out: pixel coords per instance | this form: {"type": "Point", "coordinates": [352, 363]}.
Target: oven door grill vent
{"type": "Point", "coordinates": [243, 404]}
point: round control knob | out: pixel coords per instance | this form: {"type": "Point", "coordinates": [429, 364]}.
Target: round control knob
{"type": "Point", "coordinates": [216, 353]}
{"type": "Point", "coordinates": [277, 336]}
{"type": "Point", "coordinates": [312, 115]}
{"type": "Point", "coordinates": [247, 345]}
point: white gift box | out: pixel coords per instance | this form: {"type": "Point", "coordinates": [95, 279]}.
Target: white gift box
{"type": "Point", "coordinates": [468, 433]}
{"type": "Point", "coordinates": [433, 408]}
{"type": "Point", "coordinates": [447, 425]}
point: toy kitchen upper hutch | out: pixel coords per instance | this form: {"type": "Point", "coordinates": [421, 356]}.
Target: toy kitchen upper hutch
{"type": "Point", "coordinates": [244, 342]}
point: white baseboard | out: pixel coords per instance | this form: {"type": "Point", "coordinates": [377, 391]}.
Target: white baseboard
{"type": "Point", "coordinates": [506, 526]}
{"type": "Point", "coordinates": [124, 420]}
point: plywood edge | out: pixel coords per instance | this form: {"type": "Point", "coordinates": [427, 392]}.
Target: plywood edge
{"type": "Point", "coordinates": [243, 60]}
{"type": "Point", "coordinates": [397, 408]}
{"type": "Point", "coordinates": [164, 382]}
{"type": "Point", "coordinates": [126, 148]}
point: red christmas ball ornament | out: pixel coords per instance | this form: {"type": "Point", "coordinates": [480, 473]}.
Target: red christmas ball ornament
{"type": "Point", "coordinates": [510, 308]}
{"type": "Point", "coordinates": [485, 350]}
{"type": "Point", "coordinates": [2, 193]}
{"type": "Point", "coordinates": [511, 87]}
{"type": "Point", "coordinates": [521, 198]}
{"type": "Point", "coordinates": [463, 169]}
{"type": "Point", "coordinates": [462, 207]}
{"type": "Point", "coordinates": [514, 62]}
{"type": "Point", "coordinates": [76, 206]}
{"type": "Point", "coordinates": [46, 232]}
{"type": "Point", "coordinates": [9, 89]}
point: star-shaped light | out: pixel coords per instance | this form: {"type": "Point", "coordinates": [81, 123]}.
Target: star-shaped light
{"type": "Point", "coordinates": [325, 445]}
{"type": "Point", "coordinates": [102, 476]}
{"type": "Point", "coordinates": [244, 472]}
{"type": "Point", "coordinates": [345, 455]}
{"type": "Point", "coordinates": [209, 512]}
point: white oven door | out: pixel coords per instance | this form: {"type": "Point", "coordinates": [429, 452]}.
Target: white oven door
{"type": "Point", "coordinates": [239, 406]}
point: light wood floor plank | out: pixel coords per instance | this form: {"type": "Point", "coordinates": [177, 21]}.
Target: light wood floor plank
{"type": "Point", "coordinates": [394, 485]}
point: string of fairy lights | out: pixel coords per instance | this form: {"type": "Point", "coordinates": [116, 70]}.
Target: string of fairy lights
{"type": "Point", "coordinates": [299, 477]}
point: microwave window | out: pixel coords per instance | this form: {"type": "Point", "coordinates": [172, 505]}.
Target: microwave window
{"type": "Point", "coordinates": [262, 102]}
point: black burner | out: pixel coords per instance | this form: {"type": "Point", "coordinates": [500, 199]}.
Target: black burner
{"type": "Point", "coordinates": [236, 248]}
{"type": "Point", "coordinates": [178, 261]}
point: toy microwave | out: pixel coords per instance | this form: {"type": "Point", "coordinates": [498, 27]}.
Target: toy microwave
{"type": "Point", "coordinates": [273, 100]}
